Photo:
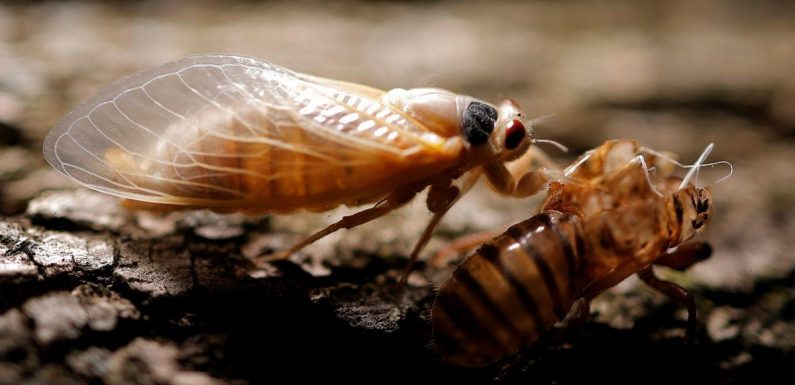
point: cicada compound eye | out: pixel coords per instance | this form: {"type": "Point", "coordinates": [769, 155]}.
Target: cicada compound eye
{"type": "Point", "coordinates": [514, 134]}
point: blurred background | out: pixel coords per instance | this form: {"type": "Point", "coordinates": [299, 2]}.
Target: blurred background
{"type": "Point", "coordinates": [674, 74]}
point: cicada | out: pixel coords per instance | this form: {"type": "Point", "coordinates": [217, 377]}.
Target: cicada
{"type": "Point", "coordinates": [233, 133]}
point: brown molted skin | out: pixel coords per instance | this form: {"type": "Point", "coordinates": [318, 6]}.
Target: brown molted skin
{"type": "Point", "coordinates": [511, 291]}
{"type": "Point", "coordinates": [589, 236]}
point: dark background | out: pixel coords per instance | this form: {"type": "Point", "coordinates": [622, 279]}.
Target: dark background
{"type": "Point", "coordinates": [91, 293]}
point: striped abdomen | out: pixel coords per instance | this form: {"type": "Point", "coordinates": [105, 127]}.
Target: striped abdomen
{"type": "Point", "coordinates": [223, 161]}
{"type": "Point", "coordinates": [508, 293]}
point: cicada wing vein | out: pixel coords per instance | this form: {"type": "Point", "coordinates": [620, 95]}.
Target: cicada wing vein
{"type": "Point", "coordinates": [230, 131]}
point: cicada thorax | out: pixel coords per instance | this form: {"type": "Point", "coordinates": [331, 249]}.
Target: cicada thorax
{"type": "Point", "coordinates": [502, 130]}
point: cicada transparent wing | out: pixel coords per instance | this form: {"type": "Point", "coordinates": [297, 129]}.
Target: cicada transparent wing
{"type": "Point", "coordinates": [236, 132]}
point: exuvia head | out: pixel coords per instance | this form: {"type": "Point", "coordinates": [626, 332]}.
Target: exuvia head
{"type": "Point", "coordinates": [692, 203]}
{"type": "Point", "coordinates": [693, 211]}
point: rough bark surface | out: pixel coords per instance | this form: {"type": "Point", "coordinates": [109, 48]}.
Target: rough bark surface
{"type": "Point", "coordinates": [84, 301]}
{"type": "Point", "coordinates": [91, 293]}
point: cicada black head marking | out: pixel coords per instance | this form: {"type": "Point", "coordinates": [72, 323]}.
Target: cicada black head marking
{"type": "Point", "coordinates": [478, 122]}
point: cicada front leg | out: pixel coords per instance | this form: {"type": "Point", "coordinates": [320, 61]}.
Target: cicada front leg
{"type": "Point", "coordinates": [677, 293]}
{"type": "Point", "coordinates": [441, 197]}
{"type": "Point", "coordinates": [680, 258]}
{"type": "Point", "coordinates": [686, 255]}
{"type": "Point", "coordinates": [519, 179]}
{"type": "Point", "coordinates": [522, 178]}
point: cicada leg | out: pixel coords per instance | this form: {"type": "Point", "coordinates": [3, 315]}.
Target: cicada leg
{"type": "Point", "coordinates": [677, 293]}
{"type": "Point", "coordinates": [441, 197]}
{"type": "Point", "coordinates": [520, 178]}
{"type": "Point", "coordinates": [395, 200]}
{"type": "Point", "coordinates": [680, 258]}
{"type": "Point", "coordinates": [685, 255]}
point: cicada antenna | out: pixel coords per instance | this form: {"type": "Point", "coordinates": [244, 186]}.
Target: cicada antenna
{"type": "Point", "coordinates": [540, 120]}
{"type": "Point", "coordinates": [693, 173]}
{"type": "Point", "coordinates": [552, 142]}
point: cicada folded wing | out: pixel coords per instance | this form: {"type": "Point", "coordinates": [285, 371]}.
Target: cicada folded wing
{"type": "Point", "coordinates": [230, 131]}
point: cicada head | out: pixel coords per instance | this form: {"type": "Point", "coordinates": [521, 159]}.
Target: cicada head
{"type": "Point", "coordinates": [513, 133]}
{"type": "Point", "coordinates": [502, 131]}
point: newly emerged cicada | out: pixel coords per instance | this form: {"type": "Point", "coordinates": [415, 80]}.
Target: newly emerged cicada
{"type": "Point", "coordinates": [236, 133]}
{"type": "Point", "coordinates": [616, 211]}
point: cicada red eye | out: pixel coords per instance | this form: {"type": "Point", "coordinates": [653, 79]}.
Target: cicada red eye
{"type": "Point", "coordinates": [514, 134]}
